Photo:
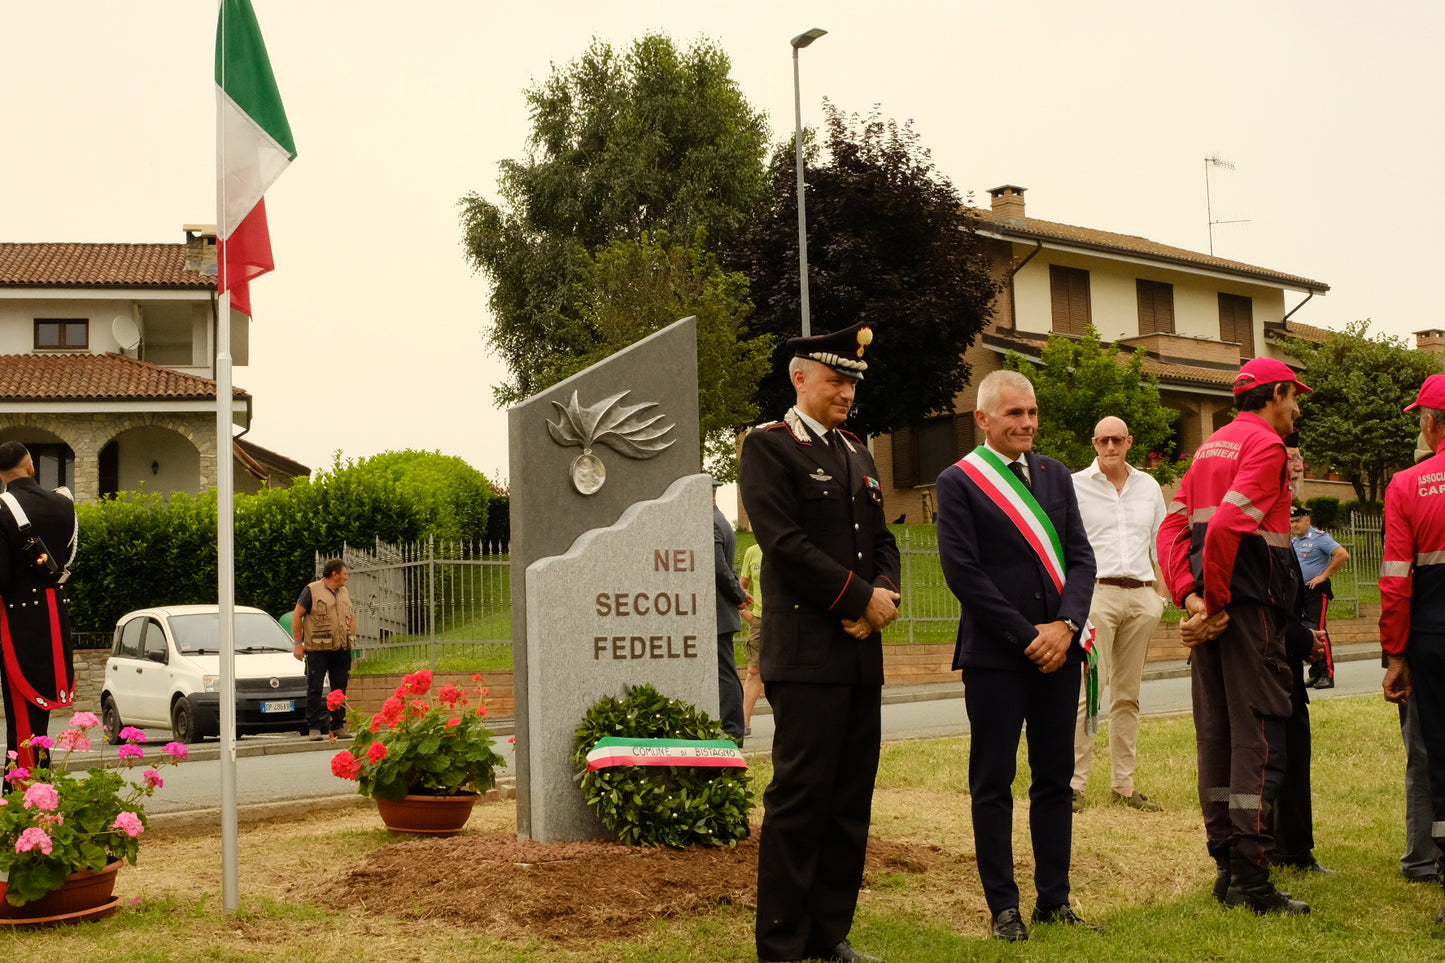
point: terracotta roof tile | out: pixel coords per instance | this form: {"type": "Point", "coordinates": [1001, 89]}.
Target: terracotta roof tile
{"type": "Point", "coordinates": [266, 458]}
{"type": "Point", "coordinates": [1298, 329]}
{"type": "Point", "coordinates": [96, 377]}
{"type": "Point", "coordinates": [1032, 228]}
{"type": "Point", "coordinates": [98, 265]}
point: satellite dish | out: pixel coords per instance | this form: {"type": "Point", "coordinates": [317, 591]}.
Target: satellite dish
{"type": "Point", "coordinates": [125, 331]}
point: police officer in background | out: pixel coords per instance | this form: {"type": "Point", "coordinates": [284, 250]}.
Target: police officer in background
{"type": "Point", "coordinates": [811, 492]}
{"type": "Point", "coordinates": [1412, 590]}
{"type": "Point", "coordinates": [39, 529]}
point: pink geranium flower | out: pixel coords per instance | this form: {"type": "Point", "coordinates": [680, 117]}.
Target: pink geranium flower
{"type": "Point", "coordinates": [34, 838]}
{"type": "Point", "coordinates": [176, 749]}
{"type": "Point", "coordinates": [132, 734]}
{"type": "Point", "coordinates": [73, 740]}
{"type": "Point", "coordinates": [18, 775]}
{"type": "Point", "coordinates": [130, 824]}
{"type": "Point", "coordinates": [42, 795]}
{"type": "Point", "coordinates": [130, 751]}
{"type": "Point", "coordinates": [42, 742]}
{"type": "Point", "coordinates": [85, 720]}
{"type": "Point", "coordinates": [152, 779]}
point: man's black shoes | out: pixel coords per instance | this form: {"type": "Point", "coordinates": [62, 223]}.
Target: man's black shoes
{"type": "Point", "coordinates": [1062, 914]}
{"type": "Point", "coordinates": [844, 952]}
{"type": "Point", "coordinates": [1009, 925]}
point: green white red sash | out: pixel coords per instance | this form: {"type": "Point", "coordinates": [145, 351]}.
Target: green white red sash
{"type": "Point", "coordinates": [612, 751]}
{"type": "Point", "coordinates": [1009, 494]}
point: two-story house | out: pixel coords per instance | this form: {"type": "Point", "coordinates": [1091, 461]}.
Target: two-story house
{"type": "Point", "coordinates": [107, 368]}
{"type": "Point", "coordinates": [1197, 316]}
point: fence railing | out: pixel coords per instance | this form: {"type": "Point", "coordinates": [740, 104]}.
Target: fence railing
{"type": "Point", "coordinates": [429, 602]}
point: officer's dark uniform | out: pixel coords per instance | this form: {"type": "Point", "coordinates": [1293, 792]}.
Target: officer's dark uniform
{"type": "Point", "coordinates": [817, 510]}
{"type": "Point", "coordinates": [37, 668]}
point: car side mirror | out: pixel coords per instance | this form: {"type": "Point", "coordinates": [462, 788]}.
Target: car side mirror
{"type": "Point", "coordinates": [157, 657]}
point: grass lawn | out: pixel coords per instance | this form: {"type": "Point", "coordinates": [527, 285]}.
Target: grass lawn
{"type": "Point", "coordinates": [1145, 877]}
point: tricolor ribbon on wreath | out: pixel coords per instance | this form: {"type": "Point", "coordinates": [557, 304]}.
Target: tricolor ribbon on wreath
{"type": "Point", "coordinates": [1002, 487]}
{"type": "Point", "coordinates": [612, 751]}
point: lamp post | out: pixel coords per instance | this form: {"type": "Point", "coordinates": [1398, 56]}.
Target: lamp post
{"type": "Point", "coordinates": [799, 42]}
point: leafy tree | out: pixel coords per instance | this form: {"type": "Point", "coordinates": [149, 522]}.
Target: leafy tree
{"type": "Point", "coordinates": [890, 243]}
{"type": "Point", "coordinates": [1353, 421]}
{"type": "Point", "coordinates": [1083, 380]}
{"type": "Point", "coordinates": [638, 287]}
{"type": "Point", "coordinates": [647, 139]}
{"type": "Point", "coordinates": [449, 498]}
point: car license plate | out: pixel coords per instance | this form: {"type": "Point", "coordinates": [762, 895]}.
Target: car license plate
{"type": "Point", "coordinates": [281, 705]}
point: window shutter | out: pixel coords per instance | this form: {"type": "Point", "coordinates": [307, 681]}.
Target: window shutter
{"type": "Point", "coordinates": [963, 442]}
{"type": "Point", "coordinates": [1236, 322]}
{"type": "Point", "coordinates": [1156, 306]}
{"type": "Point", "coordinates": [905, 458]}
{"type": "Point", "coordinates": [1069, 295]}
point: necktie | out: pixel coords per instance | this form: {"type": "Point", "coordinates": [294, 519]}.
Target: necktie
{"type": "Point", "coordinates": [1018, 469]}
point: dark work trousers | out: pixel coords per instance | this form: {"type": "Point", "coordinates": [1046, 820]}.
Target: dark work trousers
{"type": "Point", "coordinates": [1426, 655]}
{"type": "Point", "coordinates": [816, 814]}
{"type": "Point", "coordinates": [1316, 612]}
{"type": "Point", "coordinates": [1241, 687]}
{"type": "Point", "coordinates": [729, 689]}
{"type": "Point", "coordinates": [335, 665]}
{"type": "Point", "coordinates": [1292, 819]}
{"type": "Point", "coordinates": [1001, 704]}
{"type": "Point", "coordinates": [1422, 856]}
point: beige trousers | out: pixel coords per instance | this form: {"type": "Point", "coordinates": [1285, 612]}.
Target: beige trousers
{"type": "Point", "coordinates": [1123, 620]}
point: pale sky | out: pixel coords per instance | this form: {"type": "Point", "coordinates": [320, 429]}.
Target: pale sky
{"type": "Point", "coordinates": [368, 337]}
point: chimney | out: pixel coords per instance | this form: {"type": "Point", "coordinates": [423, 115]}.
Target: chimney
{"type": "Point", "coordinates": [1431, 341]}
{"type": "Point", "coordinates": [1008, 202]}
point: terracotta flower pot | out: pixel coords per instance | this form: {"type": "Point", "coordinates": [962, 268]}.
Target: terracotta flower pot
{"type": "Point", "coordinates": [427, 815]}
{"type": "Point", "coordinates": [83, 895]}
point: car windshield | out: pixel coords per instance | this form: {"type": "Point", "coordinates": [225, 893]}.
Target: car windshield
{"type": "Point", "coordinates": [255, 632]}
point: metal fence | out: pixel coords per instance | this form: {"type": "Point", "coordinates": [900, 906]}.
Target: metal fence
{"type": "Point", "coordinates": [422, 602]}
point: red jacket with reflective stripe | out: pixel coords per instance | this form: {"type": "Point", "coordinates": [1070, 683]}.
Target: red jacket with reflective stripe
{"type": "Point", "coordinates": [1412, 573]}
{"type": "Point", "coordinates": [1226, 535]}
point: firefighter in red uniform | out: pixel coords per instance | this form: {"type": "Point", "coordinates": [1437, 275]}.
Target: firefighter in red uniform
{"type": "Point", "coordinates": [1225, 552]}
{"type": "Point", "coordinates": [1412, 588]}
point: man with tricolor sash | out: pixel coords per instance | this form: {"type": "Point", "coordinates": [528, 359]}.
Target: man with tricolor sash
{"type": "Point", "coordinates": [38, 535]}
{"type": "Point", "coordinates": [1015, 553]}
{"type": "Point", "coordinates": [1412, 590]}
{"type": "Point", "coordinates": [812, 494]}
{"type": "Point", "coordinates": [1225, 552]}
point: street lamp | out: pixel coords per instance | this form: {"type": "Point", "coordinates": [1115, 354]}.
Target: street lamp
{"type": "Point", "coordinates": [799, 42]}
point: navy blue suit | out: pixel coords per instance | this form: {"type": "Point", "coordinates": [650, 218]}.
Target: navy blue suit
{"type": "Point", "coordinates": [1005, 591]}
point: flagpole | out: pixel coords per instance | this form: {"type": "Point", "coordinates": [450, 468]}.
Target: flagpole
{"type": "Point", "coordinates": [226, 548]}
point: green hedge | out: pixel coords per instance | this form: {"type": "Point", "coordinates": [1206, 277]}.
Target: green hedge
{"type": "Point", "coordinates": [139, 549]}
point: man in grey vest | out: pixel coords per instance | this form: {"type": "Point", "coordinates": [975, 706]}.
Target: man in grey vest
{"type": "Point", "coordinates": [732, 598]}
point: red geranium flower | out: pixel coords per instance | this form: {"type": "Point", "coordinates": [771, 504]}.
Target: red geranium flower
{"type": "Point", "coordinates": [335, 699]}
{"type": "Point", "coordinates": [345, 765]}
{"type": "Point", "coordinates": [376, 752]}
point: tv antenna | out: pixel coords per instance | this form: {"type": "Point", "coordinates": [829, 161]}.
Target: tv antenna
{"type": "Point", "coordinates": [1214, 160]}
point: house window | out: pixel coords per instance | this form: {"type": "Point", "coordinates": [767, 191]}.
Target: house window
{"type": "Point", "coordinates": [1069, 293]}
{"type": "Point", "coordinates": [54, 465]}
{"type": "Point", "coordinates": [1156, 307]}
{"type": "Point", "coordinates": [921, 453]}
{"type": "Point", "coordinates": [1236, 322]}
{"type": "Point", "coordinates": [62, 333]}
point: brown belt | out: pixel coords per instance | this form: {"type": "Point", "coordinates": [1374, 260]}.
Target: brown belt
{"type": "Point", "coordinates": [1121, 582]}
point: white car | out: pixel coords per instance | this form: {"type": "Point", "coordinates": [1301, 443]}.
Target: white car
{"type": "Point", "coordinates": [165, 670]}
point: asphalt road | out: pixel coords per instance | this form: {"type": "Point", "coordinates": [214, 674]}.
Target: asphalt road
{"type": "Point", "coordinates": [277, 775]}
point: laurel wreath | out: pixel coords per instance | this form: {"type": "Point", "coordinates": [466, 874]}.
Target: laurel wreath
{"type": "Point", "coordinates": [661, 805]}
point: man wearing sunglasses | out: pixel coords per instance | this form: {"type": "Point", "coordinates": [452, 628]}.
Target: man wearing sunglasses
{"type": "Point", "coordinates": [1122, 508]}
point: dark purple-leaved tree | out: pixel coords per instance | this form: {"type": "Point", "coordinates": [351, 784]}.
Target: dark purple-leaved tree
{"type": "Point", "coordinates": [890, 242]}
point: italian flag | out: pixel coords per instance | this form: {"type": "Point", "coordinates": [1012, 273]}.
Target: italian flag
{"type": "Point", "coordinates": [611, 751]}
{"type": "Point", "coordinates": [253, 147]}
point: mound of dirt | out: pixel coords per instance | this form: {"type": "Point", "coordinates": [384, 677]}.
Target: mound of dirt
{"type": "Point", "coordinates": [571, 894]}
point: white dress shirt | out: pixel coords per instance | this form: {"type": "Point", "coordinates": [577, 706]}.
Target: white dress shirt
{"type": "Point", "coordinates": [814, 424]}
{"type": "Point", "coordinates": [1121, 524]}
{"type": "Point", "coordinates": [1023, 462]}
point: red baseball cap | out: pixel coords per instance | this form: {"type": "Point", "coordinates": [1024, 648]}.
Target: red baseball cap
{"type": "Point", "coordinates": [1432, 393]}
{"type": "Point", "coordinates": [1263, 371]}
